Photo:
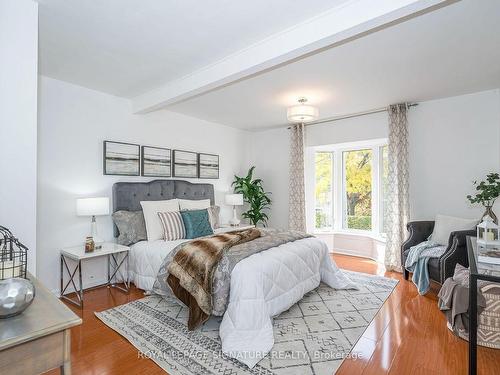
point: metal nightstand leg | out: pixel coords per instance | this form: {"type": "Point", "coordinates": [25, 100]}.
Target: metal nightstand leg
{"type": "Point", "coordinates": [113, 263]}
{"type": "Point", "coordinates": [78, 291]}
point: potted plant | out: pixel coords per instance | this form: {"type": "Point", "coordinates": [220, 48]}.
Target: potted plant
{"type": "Point", "coordinates": [255, 196]}
{"type": "Point", "coordinates": [487, 193]}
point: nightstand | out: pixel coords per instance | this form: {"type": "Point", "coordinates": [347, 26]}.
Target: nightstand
{"type": "Point", "coordinates": [117, 256]}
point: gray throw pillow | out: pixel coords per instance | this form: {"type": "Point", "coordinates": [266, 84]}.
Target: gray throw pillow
{"type": "Point", "coordinates": [213, 216]}
{"type": "Point", "coordinates": [131, 226]}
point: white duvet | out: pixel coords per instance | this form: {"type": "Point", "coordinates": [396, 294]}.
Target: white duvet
{"type": "Point", "coordinates": [262, 286]}
{"type": "Point", "coordinates": [145, 259]}
{"type": "Point", "coordinates": [268, 283]}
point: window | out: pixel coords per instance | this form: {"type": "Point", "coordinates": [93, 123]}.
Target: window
{"type": "Point", "coordinates": [350, 189]}
{"type": "Point", "coordinates": [358, 189]}
{"type": "Point", "coordinates": [323, 190]}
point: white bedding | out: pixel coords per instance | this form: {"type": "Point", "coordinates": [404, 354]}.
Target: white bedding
{"type": "Point", "coordinates": [268, 283]}
{"type": "Point", "coordinates": [145, 258]}
{"type": "Point", "coordinates": [262, 286]}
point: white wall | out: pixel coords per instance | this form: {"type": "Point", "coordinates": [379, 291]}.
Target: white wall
{"type": "Point", "coordinates": [269, 152]}
{"type": "Point", "coordinates": [73, 123]}
{"type": "Point", "coordinates": [374, 126]}
{"type": "Point", "coordinates": [18, 120]}
{"type": "Point", "coordinates": [453, 141]}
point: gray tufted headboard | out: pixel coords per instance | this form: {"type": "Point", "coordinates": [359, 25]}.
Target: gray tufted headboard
{"type": "Point", "coordinates": [128, 195]}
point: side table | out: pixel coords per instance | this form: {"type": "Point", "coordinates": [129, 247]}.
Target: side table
{"type": "Point", "coordinates": [117, 256]}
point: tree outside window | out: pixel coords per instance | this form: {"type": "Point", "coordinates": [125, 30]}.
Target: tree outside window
{"type": "Point", "coordinates": [358, 189]}
{"type": "Point", "coordinates": [323, 190]}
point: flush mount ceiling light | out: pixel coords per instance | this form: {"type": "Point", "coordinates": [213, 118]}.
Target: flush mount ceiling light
{"type": "Point", "coordinates": [302, 112]}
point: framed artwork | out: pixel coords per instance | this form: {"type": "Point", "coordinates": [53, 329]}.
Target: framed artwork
{"type": "Point", "coordinates": [185, 164]}
{"type": "Point", "coordinates": [155, 162]}
{"type": "Point", "coordinates": [122, 159]}
{"type": "Point", "coordinates": [208, 166]}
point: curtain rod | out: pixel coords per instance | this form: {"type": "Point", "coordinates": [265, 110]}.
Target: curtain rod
{"type": "Point", "coordinates": [351, 115]}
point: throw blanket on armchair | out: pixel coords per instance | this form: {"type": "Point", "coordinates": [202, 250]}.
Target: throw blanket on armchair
{"type": "Point", "coordinates": [198, 272]}
{"type": "Point", "coordinates": [417, 260]}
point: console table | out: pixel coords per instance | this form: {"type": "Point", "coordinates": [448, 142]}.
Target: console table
{"type": "Point", "coordinates": [39, 339]}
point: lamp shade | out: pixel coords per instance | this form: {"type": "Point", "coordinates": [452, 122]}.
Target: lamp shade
{"type": "Point", "coordinates": [92, 206]}
{"type": "Point", "coordinates": [234, 199]}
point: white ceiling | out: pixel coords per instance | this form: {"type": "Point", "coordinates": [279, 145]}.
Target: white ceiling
{"type": "Point", "coordinates": [451, 51]}
{"type": "Point", "coordinates": [128, 47]}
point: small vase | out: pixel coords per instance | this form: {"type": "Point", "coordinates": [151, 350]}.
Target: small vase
{"type": "Point", "coordinates": [16, 294]}
{"type": "Point", "coordinates": [490, 213]}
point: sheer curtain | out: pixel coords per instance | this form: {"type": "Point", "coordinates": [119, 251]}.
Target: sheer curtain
{"type": "Point", "coordinates": [398, 207]}
{"type": "Point", "coordinates": [296, 200]}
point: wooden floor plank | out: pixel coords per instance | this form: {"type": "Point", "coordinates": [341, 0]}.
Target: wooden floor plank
{"type": "Point", "coordinates": [407, 336]}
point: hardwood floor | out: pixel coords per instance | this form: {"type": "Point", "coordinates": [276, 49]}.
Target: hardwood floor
{"type": "Point", "coordinates": [407, 336]}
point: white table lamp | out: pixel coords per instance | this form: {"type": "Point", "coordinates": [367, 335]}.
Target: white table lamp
{"type": "Point", "coordinates": [234, 200]}
{"type": "Point", "coordinates": [93, 207]}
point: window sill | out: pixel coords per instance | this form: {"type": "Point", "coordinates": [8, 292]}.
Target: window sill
{"type": "Point", "coordinates": [356, 233]}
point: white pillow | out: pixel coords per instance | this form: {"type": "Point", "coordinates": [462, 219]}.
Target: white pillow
{"type": "Point", "coordinates": [190, 204]}
{"type": "Point", "coordinates": [150, 209]}
{"type": "Point", "coordinates": [444, 225]}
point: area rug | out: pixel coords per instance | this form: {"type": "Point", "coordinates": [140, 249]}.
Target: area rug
{"type": "Point", "coordinates": [313, 337]}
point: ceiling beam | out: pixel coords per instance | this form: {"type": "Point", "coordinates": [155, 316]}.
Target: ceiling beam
{"type": "Point", "coordinates": [338, 25]}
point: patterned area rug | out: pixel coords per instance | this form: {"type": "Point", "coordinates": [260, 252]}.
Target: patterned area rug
{"type": "Point", "coordinates": [312, 337]}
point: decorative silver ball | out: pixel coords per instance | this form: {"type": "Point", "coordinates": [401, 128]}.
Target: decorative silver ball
{"type": "Point", "coordinates": [16, 295]}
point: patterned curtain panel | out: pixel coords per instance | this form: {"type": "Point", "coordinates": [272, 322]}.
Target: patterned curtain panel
{"type": "Point", "coordinates": [398, 207]}
{"type": "Point", "coordinates": [297, 201]}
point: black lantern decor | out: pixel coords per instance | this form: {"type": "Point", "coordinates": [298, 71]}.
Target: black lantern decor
{"type": "Point", "coordinates": [13, 256]}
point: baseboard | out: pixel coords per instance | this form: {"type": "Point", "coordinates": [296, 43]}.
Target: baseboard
{"type": "Point", "coordinates": [86, 286]}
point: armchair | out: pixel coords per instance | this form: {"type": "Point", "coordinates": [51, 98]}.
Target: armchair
{"type": "Point", "coordinates": [443, 267]}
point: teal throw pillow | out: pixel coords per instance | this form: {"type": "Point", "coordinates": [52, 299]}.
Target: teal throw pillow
{"type": "Point", "coordinates": [197, 223]}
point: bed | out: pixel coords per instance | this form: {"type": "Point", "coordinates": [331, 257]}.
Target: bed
{"type": "Point", "coordinates": [145, 257]}
{"type": "Point", "coordinates": [262, 285]}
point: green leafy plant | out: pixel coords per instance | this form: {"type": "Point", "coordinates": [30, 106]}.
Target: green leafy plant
{"type": "Point", "coordinates": [254, 195]}
{"type": "Point", "coordinates": [487, 191]}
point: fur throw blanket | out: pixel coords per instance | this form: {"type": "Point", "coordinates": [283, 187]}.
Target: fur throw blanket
{"type": "Point", "coordinates": [191, 271]}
